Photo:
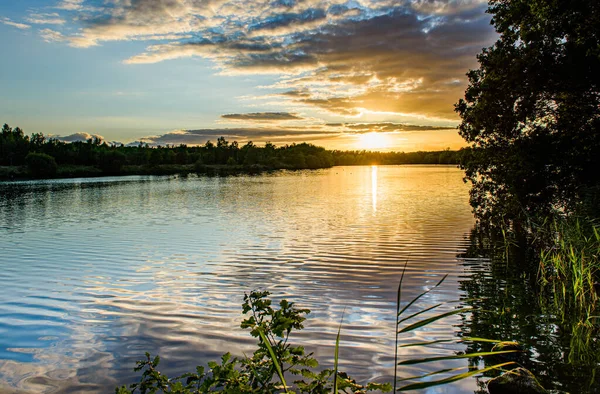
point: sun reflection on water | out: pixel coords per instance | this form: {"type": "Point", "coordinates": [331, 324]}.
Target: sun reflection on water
{"type": "Point", "coordinates": [374, 187]}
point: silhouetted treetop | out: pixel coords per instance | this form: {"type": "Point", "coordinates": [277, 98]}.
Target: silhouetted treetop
{"type": "Point", "coordinates": [532, 110]}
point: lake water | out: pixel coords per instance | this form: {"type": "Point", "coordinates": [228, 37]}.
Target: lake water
{"type": "Point", "coordinates": [97, 271]}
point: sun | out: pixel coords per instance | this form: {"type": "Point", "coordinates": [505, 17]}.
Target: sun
{"type": "Point", "coordinates": [373, 140]}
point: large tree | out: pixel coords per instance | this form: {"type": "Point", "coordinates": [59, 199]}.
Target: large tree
{"type": "Point", "coordinates": [532, 110]}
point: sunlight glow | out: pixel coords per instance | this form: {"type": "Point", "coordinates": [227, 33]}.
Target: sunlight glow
{"type": "Point", "coordinates": [373, 140]}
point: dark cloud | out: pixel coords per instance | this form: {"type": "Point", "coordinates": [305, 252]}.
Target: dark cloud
{"type": "Point", "coordinates": [384, 127]}
{"type": "Point", "coordinates": [200, 136]}
{"type": "Point", "coordinates": [287, 134]}
{"type": "Point", "coordinates": [405, 64]}
{"type": "Point", "coordinates": [263, 116]}
{"type": "Point", "coordinates": [286, 19]}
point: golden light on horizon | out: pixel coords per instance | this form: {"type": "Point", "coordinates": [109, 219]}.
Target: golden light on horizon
{"type": "Point", "coordinates": [373, 140]}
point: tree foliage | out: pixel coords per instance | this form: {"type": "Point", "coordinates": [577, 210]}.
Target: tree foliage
{"type": "Point", "coordinates": [532, 110]}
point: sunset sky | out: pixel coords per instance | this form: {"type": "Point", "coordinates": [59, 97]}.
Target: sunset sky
{"type": "Point", "coordinates": [186, 71]}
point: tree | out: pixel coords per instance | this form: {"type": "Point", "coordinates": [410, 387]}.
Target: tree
{"type": "Point", "coordinates": [37, 140]}
{"type": "Point", "coordinates": [156, 157]}
{"type": "Point", "coordinates": [532, 110]}
{"type": "Point", "coordinates": [111, 161]}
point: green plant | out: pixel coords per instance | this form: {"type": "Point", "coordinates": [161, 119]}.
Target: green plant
{"type": "Point", "coordinates": [265, 370]}
{"type": "Point", "coordinates": [571, 265]}
{"type": "Point", "coordinates": [275, 358]}
{"type": "Point", "coordinates": [569, 272]}
{"type": "Point", "coordinates": [407, 327]}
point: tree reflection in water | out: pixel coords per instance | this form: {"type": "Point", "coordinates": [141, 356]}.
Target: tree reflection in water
{"type": "Point", "coordinates": [509, 304]}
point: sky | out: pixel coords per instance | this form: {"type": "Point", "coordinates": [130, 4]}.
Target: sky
{"type": "Point", "coordinates": [343, 74]}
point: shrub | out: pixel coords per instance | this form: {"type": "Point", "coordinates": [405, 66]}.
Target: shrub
{"type": "Point", "coordinates": [41, 165]}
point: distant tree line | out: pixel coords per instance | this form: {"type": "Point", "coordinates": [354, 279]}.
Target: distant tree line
{"type": "Point", "coordinates": [362, 157]}
{"type": "Point", "coordinates": [44, 156]}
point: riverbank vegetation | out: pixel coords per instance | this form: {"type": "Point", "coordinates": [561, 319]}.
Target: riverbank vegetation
{"type": "Point", "coordinates": [38, 156]}
{"type": "Point", "coordinates": [276, 359]}
{"type": "Point", "coordinates": [531, 115]}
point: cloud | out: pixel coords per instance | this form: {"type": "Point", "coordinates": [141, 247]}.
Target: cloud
{"type": "Point", "coordinates": [76, 137]}
{"type": "Point", "coordinates": [45, 19]}
{"type": "Point", "coordinates": [50, 35]}
{"type": "Point", "coordinates": [8, 22]}
{"type": "Point", "coordinates": [282, 135]}
{"type": "Point", "coordinates": [241, 134]}
{"type": "Point", "coordinates": [263, 116]}
{"type": "Point", "coordinates": [71, 5]}
{"type": "Point", "coordinates": [384, 127]}
{"type": "Point", "coordinates": [344, 58]}
{"type": "Point", "coordinates": [439, 7]}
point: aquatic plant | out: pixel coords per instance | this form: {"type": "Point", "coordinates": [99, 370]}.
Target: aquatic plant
{"type": "Point", "coordinates": [275, 358]}
{"type": "Point", "coordinates": [569, 273]}
{"type": "Point", "coordinates": [571, 265]}
{"type": "Point", "coordinates": [541, 294]}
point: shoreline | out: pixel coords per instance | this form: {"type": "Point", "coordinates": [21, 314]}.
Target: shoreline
{"type": "Point", "coordinates": [22, 173]}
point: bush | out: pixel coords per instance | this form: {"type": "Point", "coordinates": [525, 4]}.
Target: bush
{"type": "Point", "coordinates": [41, 165]}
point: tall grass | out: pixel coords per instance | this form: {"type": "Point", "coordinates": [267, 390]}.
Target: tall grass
{"type": "Point", "coordinates": [570, 266]}
{"type": "Point", "coordinates": [569, 273]}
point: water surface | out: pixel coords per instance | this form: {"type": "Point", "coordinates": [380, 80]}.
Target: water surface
{"type": "Point", "coordinates": [97, 271]}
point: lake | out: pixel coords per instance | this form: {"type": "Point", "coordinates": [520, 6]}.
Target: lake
{"type": "Point", "coordinates": [97, 271]}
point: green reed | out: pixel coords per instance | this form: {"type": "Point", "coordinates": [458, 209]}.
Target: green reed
{"type": "Point", "coordinates": [403, 326]}
{"type": "Point", "coordinates": [569, 272]}
{"type": "Point", "coordinates": [570, 266]}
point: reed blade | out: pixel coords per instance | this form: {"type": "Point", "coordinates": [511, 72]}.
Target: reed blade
{"type": "Point", "coordinates": [430, 320]}
{"type": "Point", "coordinates": [454, 357]}
{"type": "Point", "coordinates": [475, 339]}
{"type": "Point", "coordinates": [419, 313]}
{"type": "Point", "coordinates": [336, 355]}
{"type": "Point", "coordinates": [398, 300]}
{"type": "Point", "coordinates": [431, 374]}
{"type": "Point", "coordinates": [421, 295]}
{"type": "Point", "coordinates": [424, 385]}
{"type": "Point", "coordinates": [274, 358]}
{"type": "Point", "coordinates": [427, 343]}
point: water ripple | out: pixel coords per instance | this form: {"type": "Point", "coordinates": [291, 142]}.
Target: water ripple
{"type": "Point", "coordinates": [97, 271]}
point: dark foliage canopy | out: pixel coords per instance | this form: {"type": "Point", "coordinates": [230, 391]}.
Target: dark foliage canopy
{"type": "Point", "coordinates": [531, 111]}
